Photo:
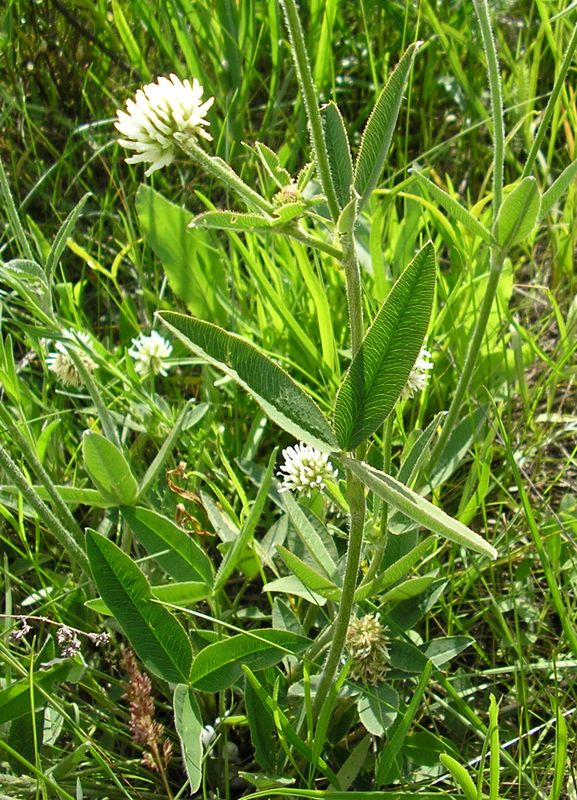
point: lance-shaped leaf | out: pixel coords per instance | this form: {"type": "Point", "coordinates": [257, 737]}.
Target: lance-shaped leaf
{"type": "Point", "coordinates": [279, 396]}
{"type": "Point", "coordinates": [339, 151]}
{"type": "Point", "coordinates": [378, 132]}
{"type": "Point", "coordinates": [188, 724]}
{"type": "Point", "coordinates": [155, 634]}
{"type": "Point", "coordinates": [418, 509]}
{"type": "Point", "coordinates": [380, 369]}
{"type": "Point", "coordinates": [219, 665]}
{"type": "Point", "coordinates": [557, 188]}
{"type": "Point", "coordinates": [455, 209]}
{"type": "Point", "coordinates": [518, 214]}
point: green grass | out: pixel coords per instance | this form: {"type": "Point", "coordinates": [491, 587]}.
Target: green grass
{"type": "Point", "coordinates": [512, 471]}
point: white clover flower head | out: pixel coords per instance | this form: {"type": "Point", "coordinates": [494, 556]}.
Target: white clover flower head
{"type": "Point", "coordinates": [162, 117]}
{"type": "Point", "coordinates": [60, 363]}
{"type": "Point", "coordinates": [419, 375]}
{"type": "Point", "coordinates": [150, 354]}
{"type": "Point", "coordinates": [305, 468]}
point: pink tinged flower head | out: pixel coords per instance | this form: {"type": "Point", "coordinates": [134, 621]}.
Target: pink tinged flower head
{"type": "Point", "coordinates": [419, 375]}
{"type": "Point", "coordinates": [305, 469]}
{"type": "Point", "coordinates": [162, 117]}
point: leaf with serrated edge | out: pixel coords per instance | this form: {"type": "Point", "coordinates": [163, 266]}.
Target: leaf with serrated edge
{"type": "Point", "coordinates": [417, 508]}
{"type": "Point", "coordinates": [382, 365]}
{"type": "Point", "coordinates": [378, 132]}
{"type": "Point", "coordinates": [274, 390]}
{"type": "Point", "coordinates": [339, 151]}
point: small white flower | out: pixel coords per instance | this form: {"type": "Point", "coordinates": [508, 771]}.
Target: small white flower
{"type": "Point", "coordinates": [150, 354]}
{"type": "Point", "coordinates": [305, 469]}
{"type": "Point", "coordinates": [419, 375]}
{"type": "Point", "coordinates": [162, 117]}
{"type": "Point", "coordinates": [207, 735]}
{"type": "Point", "coordinates": [60, 363]}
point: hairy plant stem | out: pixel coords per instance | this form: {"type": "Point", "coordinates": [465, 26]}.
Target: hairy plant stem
{"type": "Point", "coordinates": [307, 87]}
{"type": "Point", "coordinates": [355, 492]}
{"type": "Point", "coordinates": [482, 10]}
{"type": "Point", "coordinates": [64, 537]}
{"type": "Point", "coordinates": [227, 177]}
{"type": "Point", "coordinates": [497, 258]}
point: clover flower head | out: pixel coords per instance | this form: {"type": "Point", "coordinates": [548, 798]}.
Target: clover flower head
{"type": "Point", "coordinates": [162, 117]}
{"type": "Point", "coordinates": [366, 644]}
{"type": "Point", "coordinates": [418, 376]}
{"type": "Point", "coordinates": [61, 364]}
{"type": "Point", "coordinates": [150, 354]}
{"type": "Point", "coordinates": [305, 469]}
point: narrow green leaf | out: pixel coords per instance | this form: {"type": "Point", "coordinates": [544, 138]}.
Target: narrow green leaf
{"type": "Point", "coordinates": [395, 572]}
{"type": "Point", "coordinates": [279, 396]}
{"type": "Point", "coordinates": [15, 699]}
{"type": "Point", "coordinates": [455, 209]}
{"type": "Point", "coordinates": [108, 469]}
{"type": "Point", "coordinates": [62, 236]}
{"type": "Point", "coordinates": [233, 556]}
{"type": "Point", "coordinates": [339, 151]}
{"type": "Point", "coordinates": [292, 585]}
{"type": "Point", "coordinates": [378, 132]}
{"type": "Point", "coordinates": [188, 724]}
{"type": "Point", "coordinates": [262, 729]}
{"type": "Point", "coordinates": [185, 593]}
{"type": "Point", "coordinates": [189, 416]}
{"type": "Point", "coordinates": [272, 165]}
{"type": "Point", "coordinates": [304, 522]}
{"type": "Point", "coordinates": [389, 350]}
{"type": "Point", "coordinates": [558, 188]}
{"type": "Point", "coordinates": [460, 776]}
{"type": "Point", "coordinates": [155, 634]}
{"type": "Point", "coordinates": [518, 214]}
{"type": "Point", "coordinates": [354, 763]}
{"type": "Point", "coordinates": [308, 576]}
{"type": "Point", "coordinates": [440, 651]}
{"type": "Point", "coordinates": [128, 40]}
{"type": "Point", "coordinates": [175, 550]}
{"type": "Point", "coordinates": [386, 761]}
{"type": "Point", "coordinates": [218, 666]}
{"type": "Point", "coordinates": [418, 509]}
{"type": "Point", "coordinates": [408, 589]}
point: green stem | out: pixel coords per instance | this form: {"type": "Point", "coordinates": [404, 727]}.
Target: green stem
{"type": "Point", "coordinates": [354, 291]}
{"type": "Point", "coordinates": [61, 508]}
{"type": "Point", "coordinates": [356, 497]}
{"type": "Point", "coordinates": [552, 102]}
{"type": "Point", "coordinates": [470, 359]}
{"type": "Point", "coordinates": [307, 87]}
{"type": "Point", "coordinates": [314, 242]}
{"type": "Point", "coordinates": [227, 176]}
{"type": "Point", "coordinates": [108, 426]}
{"type": "Point", "coordinates": [355, 490]}
{"type": "Point", "coordinates": [381, 545]}
{"type": "Point", "coordinates": [65, 539]}
{"type": "Point", "coordinates": [482, 9]}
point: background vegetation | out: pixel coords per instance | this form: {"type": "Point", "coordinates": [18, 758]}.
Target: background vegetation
{"type": "Point", "coordinates": [511, 473]}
